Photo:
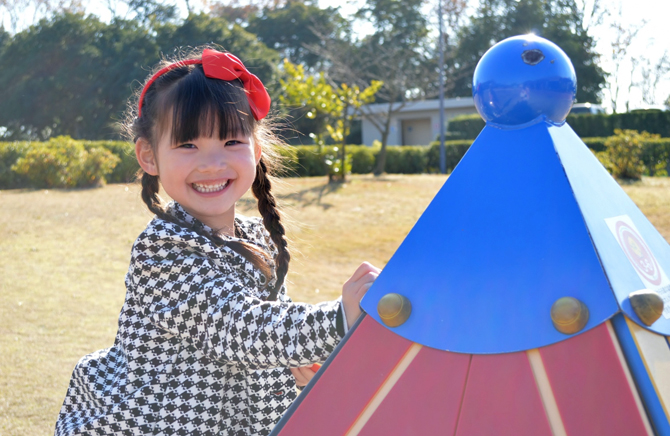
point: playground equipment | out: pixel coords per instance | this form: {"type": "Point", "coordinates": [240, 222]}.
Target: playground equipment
{"type": "Point", "coordinates": [530, 298]}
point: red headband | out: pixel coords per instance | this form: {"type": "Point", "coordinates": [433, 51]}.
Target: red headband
{"type": "Point", "coordinates": [223, 66]}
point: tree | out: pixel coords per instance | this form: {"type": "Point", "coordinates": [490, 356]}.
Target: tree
{"type": "Point", "coordinates": [5, 37]}
{"type": "Point", "coordinates": [561, 21]}
{"type": "Point", "coordinates": [200, 29]}
{"type": "Point", "coordinates": [152, 12]}
{"type": "Point", "coordinates": [16, 9]}
{"type": "Point", "coordinates": [653, 73]}
{"type": "Point", "coordinates": [71, 75]}
{"type": "Point", "coordinates": [623, 37]}
{"type": "Point", "coordinates": [234, 11]}
{"type": "Point", "coordinates": [292, 29]}
{"type": "Point", "coordinates": [397, 53]}
{"type": "Point", "coordinates": [338, 105]}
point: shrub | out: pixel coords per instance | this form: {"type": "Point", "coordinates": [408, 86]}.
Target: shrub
{"type": "Point", "coordinates": [65, 163]}
{"type": "Point", "coordinates": [454, 151]}
{"type": "Point", "coordinates": [585, 125]}
{"type": "Point", "coordinates": [332, 157]}
{"type": "Point", "coordinates": [464, 127]}
{"type": "Point", "coordinates": [406, 159]}
{"type": "Point", "coordinates": [656, 156]}
{"type": "Point", "coordinates": [10, 152]}
{"type": "Point", "coordinates": [311, 162]}
{"type": "Point", "coordinates": [288, 166]}
{"type": "Point", "coordinates": [126, 169]}
{"type": "Point", "coordinates": [624, 153]}
{"type": "Point", "coordinates": [362, 159]}
{"type": "Point", "coordinates": [595, 143]}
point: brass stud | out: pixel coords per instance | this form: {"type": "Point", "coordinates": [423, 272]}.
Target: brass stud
{"type": "Point", "coordinates": [569, 315]}
{"type": "Point", "coordinates": [647, 304]}
{"type": "Point", "coordinates": [394, 309]}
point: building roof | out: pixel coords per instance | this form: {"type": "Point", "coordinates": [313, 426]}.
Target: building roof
{"type": "Point", "coordinates": [424, 105]}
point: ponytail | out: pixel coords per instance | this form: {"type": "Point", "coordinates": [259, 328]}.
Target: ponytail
{"type": "Point", "coordinates": [267, 206]}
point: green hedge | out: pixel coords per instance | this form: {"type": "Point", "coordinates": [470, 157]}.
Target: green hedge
{"type": "Point", "coordinates": [303, 160]}
{"type": "Point", "coordinates": [63, 163]}
{"type": "Point", "coordinates": [651, 121]}
{"type": "Point", "coordinates": [307, 160]}
{"type": "Point", "coordinates": [585, 125]}
{"type": "Point", "coordinates": [10, 152]}
{"type": "Point", "coordinates": [126, 169]}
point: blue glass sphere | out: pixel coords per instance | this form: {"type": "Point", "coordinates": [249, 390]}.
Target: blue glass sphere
{"type": "Point", "coordinates": [523, 78]}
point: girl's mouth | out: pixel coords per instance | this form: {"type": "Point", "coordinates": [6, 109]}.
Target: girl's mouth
{"type": "Point", "coordinates": [206, 188]}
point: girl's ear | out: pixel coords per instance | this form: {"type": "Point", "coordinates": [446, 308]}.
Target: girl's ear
{"type": "Point", "coordinates": [146, 157]}
{"type": "Point", "coordinates": [259, 152]}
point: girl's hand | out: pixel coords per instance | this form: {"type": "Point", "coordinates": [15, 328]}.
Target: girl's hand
{"type": "Point", "coordinates": [302, 375]}
{"type": "Point", "coordinates": [354, 289]}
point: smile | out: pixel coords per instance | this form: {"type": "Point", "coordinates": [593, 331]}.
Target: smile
{"type": "Point", "coordinates": [210, 188]}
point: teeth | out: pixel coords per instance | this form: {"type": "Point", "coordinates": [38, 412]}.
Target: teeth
{"type": "Point", "coordinates": [209, 188]}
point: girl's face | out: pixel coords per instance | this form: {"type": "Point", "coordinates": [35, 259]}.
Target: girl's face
{"type": "Point", "coordinates": [206, 175]}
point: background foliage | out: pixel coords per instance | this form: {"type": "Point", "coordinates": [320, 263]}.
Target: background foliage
{"type": "Point", "coordinates": [72, 74]}
{"type": "Point", "coordinates": [585, 125]}
{"type": "Point", "coordinates": [560, 21]}
{"type": "Point", "coordinates": [26, 164]}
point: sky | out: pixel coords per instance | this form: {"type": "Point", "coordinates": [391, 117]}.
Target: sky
{"type": "Point", "coordinates": [650, 44]}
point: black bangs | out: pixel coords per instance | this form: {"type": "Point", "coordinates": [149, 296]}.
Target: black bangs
{"type": "Point", "coordinates": [203, 107]}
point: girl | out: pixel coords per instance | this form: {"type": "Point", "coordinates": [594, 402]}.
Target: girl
{"type": "Point", "coordinates": [206, 334]}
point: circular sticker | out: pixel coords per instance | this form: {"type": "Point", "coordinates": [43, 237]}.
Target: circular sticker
{"type": "Point", "coordinates": [638, 253]}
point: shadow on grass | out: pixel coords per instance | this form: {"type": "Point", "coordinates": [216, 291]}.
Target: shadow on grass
{"type": "Point", "coordinates": [313, 196]}
{"type": "Point", "coordinates": [303, 198]}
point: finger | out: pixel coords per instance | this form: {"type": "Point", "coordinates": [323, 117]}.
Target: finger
{"type": "Point", "coordinates": [369, 277]}
{"type": "Point", "coordinates": [362, 269]}
{"type": "Point", "coordinates": [300, 379]}
{"type": "Point", "coordinates": [363, 289]}
{"type": "Point", "coordinates": [307, 372]}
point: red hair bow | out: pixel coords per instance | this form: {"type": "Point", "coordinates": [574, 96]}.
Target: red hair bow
{"type": "Point", "coordinates": [223, 66]}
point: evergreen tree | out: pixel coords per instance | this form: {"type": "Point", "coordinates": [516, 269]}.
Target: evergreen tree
{"type": "Point", "coordinates": [70, 75]}
{"type": "Point", "coordinates": [296, 28]}
{"type": "Point", "coordinates": [560, 21]}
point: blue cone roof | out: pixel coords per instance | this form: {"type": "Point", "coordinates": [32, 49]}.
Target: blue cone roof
{"type": "Point", "coordinates": [519, 224]}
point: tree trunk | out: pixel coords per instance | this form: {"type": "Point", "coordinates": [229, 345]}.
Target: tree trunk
{"type": "Point", "coordinates": [381, 157]}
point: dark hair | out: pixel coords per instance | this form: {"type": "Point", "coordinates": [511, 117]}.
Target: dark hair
{"type": "Point", "coordinates": [200, 106]}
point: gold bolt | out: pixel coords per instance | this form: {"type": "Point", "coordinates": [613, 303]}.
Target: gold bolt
{"type": "Point", "coordinates": [569, 315]}
{"type": "Point", "coordinates": [647, 304]}
{"type": "Point", "coordinates": [394, 309]}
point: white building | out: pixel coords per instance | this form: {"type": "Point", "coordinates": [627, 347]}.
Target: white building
{"type": "Point", "coordinates": [417, 123]}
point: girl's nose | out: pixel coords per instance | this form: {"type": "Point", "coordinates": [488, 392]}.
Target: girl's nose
{"type": "Point", "coordinates": [212, 162]}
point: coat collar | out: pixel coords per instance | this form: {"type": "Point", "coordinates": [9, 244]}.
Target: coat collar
{"type": "Point", "coordinates": [177, 210]}
{"type": "Point", "coordinates": [243, 233]}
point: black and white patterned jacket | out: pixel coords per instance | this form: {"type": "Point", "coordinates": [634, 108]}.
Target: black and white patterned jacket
{"type": "Point", "coordinates": [198, 350]}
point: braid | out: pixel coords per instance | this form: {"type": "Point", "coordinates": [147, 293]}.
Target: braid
{"type": "Point", "coordinates": [267, 206]}
{"type": "Point", "coordinates": [150, 197]}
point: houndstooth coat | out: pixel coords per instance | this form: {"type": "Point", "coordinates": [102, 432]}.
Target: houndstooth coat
{"type": "Point", "coordinates": [198, 350]}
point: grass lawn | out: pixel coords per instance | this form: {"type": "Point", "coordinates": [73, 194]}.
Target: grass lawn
{"type": "Point", "coordinates": [65, 253]}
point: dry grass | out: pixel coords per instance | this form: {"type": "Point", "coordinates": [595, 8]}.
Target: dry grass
{"type": "Point", "coordinates": [64, 255]}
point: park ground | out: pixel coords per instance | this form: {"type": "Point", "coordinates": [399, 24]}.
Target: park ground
{"type": "Point", "coordinates": [64, 255]}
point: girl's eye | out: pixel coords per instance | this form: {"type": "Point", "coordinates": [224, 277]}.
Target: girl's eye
{"type": "Point", "coordinates": [187, 145]}
{"type": "Point", "coordinates": [233, 142]}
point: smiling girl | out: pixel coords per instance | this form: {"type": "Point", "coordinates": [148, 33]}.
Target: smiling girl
{"type": "Point", "coordinates": [208, 341]}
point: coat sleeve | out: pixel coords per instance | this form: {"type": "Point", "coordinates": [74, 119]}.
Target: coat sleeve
{"type": "Point", "coordinates": [217, 311]}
